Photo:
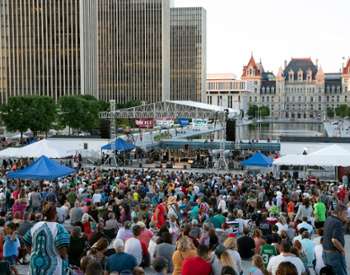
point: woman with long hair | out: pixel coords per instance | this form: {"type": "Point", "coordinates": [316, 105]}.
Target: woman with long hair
{"type": "Point", "coordinates": [231, 247]}
{"type": "Point", "coordinates": [184, 249]}
{"type": "Point", "coordinates": [258, 267]}
{"type": "Point", "coordinates": [258, 240]}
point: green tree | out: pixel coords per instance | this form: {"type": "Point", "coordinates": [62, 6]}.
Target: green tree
{"type": "Point", "coordinates": [342, 110]}
{"type": "Point", "coordinates": [80, 112]}
{"type": "Point", "coordinates": [16, 114]}
{"type": "Point", "coordinates": [253, 111]}
{"type": "Point", "coordinates": [264, 111]}
{"type": "Point", "coordinates": [330, 112]}
{"type": "Point", "coordinates": [71, 111]}
{"type": "Point", "coordinates": [43, 114]}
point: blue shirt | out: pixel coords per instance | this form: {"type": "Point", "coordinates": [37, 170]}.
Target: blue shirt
{"type": "Point", "coordinates": [11, 247]}
{"type": "Point", "coordinates": [309, 249]}
{"type": "Point", "coordinates": [119, 262]}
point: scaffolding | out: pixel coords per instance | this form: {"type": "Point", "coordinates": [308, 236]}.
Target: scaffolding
{"type": "Point", "coordinates": [176, 109]}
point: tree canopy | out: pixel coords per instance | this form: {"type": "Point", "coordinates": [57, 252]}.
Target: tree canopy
{"type": "Point", "coordinates": [258, 112]}
{"type": "Point", "coordinates": [29, 112]}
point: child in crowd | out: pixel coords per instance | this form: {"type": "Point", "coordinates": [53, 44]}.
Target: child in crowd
{"type": "Point", "coordinates": [11, 245]}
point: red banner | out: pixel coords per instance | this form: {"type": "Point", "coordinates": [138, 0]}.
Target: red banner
{"type": "Point", "coordinates": [145, 123]}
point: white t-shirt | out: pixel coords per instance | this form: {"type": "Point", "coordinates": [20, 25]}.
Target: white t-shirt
{"type": "Point", "coordinates": [96, 198]}
{"type": "Point", "coordinates": [276, 260]}
{"type": "Point", "coordinates": [133, 247]}
{"type": "Point", "coordinates": [319, 259]}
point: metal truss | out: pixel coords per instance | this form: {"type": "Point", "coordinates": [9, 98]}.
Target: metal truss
{"type": "Point", "coordinates": [166, 109]}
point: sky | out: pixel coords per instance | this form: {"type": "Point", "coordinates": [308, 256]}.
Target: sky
{"type": "Point", "coordinates": [275, 31]}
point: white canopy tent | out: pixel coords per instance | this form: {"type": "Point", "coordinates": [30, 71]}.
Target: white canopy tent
{"type": "Point", "coordinates": [57, 148]}
{"type": "Point", "coordinates": [290, 160]}
{"type": "Point", "coordinates": [35, 150]}
{"type": "Point", "coordinates": [9, 152]}
{"type": "Point", "coordinates": [333, 155]}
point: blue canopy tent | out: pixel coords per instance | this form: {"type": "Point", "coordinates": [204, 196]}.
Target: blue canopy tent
{"type": "Point", "coordinates": [120, 145]}
{"type": "Point", "coordinates": [42, 169]}
{"type": "Point", "coordinates": [259, 159]}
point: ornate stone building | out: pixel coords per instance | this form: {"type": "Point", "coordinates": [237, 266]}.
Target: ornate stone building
{"type": "Point", "coordinates": [300, 90]}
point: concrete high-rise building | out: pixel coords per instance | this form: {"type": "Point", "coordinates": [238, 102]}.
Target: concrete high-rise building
{"type": "Point", "coordinates": [188, 54]}
{"type": "Point", "coordinates": [134, 57]}
{"type": "Point", "coordinates": [46, 48]}
{"type": "Point", "coordinates": [111, 49]}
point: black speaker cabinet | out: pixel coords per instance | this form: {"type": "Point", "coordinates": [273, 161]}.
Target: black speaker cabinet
{"type": "Point", "coordinates": [231, 130]}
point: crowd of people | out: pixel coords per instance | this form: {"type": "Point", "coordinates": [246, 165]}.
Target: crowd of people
{"type": "Point", "coordinates": [162, 222]}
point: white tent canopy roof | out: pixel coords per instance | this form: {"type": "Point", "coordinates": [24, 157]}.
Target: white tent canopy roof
{"type": "Point", "coordinates": [56, 148]}
{"type": "Point", "coordinates": [333, 155]}
{"type": "Point", "coordinates": [290, 160]}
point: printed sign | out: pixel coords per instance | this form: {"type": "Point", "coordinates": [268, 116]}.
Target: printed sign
{"type": "Point", "coordinates": [144, 123]}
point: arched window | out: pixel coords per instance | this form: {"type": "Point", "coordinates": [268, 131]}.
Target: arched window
{"type": "Point", "coordinates": [291, 75]}
{"type": "Point", "coordinates": [300, 75]}
{"type": "Point", "coordinates": [309, 75]}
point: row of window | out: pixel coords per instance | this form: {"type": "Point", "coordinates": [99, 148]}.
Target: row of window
{"type": "Point", "coordinates": [228, 85]}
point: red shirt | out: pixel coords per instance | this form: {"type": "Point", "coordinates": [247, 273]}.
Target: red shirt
{"type": "Point", "coordinates": [196, 266]}
{"type": "Point", "coordinates": [291, 207]}
{"type": "Point", "coordinates": [159, 215]}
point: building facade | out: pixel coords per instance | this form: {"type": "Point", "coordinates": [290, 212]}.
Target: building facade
{"type": "Point", "coordinates": [134, 50]}
{"type": "Point", "coordinates": [188, 53]}
{"type": "Point", "coordinates": [225, 90]}
{"type": "Point", "coordinates": [40, 48]}
{"type": "Point", "coordinates": [300, 90]}
{"type": "Point", "coordinates": [111, 49]}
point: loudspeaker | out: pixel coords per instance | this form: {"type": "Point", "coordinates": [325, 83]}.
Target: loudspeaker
{"type": "Point", "coordinates": [86, 145]}
{"type": "Point", "coordinates": [105, 128]}
{"type": "Point", "coordinates": [231, 130]}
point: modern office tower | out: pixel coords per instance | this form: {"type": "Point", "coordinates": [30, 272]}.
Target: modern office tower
{"type": "Point", "coordinates": [47, 48]}
{"type": "Point", "coordinates": [134, 56]}
{"type": "Point", "coordinates": [188, 54]}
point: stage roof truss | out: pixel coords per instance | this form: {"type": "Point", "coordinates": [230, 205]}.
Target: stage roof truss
{"type": "Point", "coordinates": [171, 109]}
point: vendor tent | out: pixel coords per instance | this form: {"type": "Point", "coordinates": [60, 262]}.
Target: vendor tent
{"type": "Point", "coordinates": [35, 150]}
{"type": "Point", "coordinates": [259, 159]}
{"type": "Point", "coordinates": [9, 152]}
{"type": "Point", "coordinates": [120, 145]}
{"type": "Point", "coordinates": [333, 156]}
{"type": "Point", "coordinates": [297, 160]}
{"type": "Point", "coordinates": [42, 169]}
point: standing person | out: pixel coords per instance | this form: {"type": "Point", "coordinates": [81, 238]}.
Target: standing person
{"type": "Point", "coordinates": [319, 213]}
{"type": "Point", "coordinates": [285, 256]}
{"type": "Point", "coordinates": [165, 249]}
{"type": "Point", "coordinates": [49, 241]}
{"type": "Point", "coordinates": [231, 247]}
{"type": "Point", "coordinates": [198, 265]}
{"type": "Point", "coordinates": [258, 267]}
{"type": "Point", "coordinates": [258, 239]}
{"type": "Point", "coordinates": [333, 240]}
{"type": "Point", "coordinates": [184, 249]}
{"type": "Point", "coordinates": [304, 211]}
{"type": "Point", "coordinates": [267, 251]}
{"type": "Point", "coordinates": [120, 261]}
{"type": "Point", "coordinates": [308, 248]}
{"type": "Point", "coordinates": [246, 245]}
{"type": "Point", "coordinates": [159, 214]}
{"type": "Point", "coordinates": [77, 246]}
{"type": "Point", "coordinates": [11, 245]}
{"type": "Point", "coordinates": [133, 245]}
